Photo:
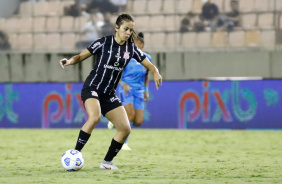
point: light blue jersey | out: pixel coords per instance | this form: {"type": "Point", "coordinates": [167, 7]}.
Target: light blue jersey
{"type": "Point", "coordinates": [134, 75]}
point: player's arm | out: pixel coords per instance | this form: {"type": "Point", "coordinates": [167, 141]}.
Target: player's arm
{"type": "Point", "coordinates": [75, 59]}
{"type": "Point", "coordinates": [146, 89]}
{"type": "Point", "coordinates": [124, 86]}
{"type": "Point", "coordinates": [157, 77]}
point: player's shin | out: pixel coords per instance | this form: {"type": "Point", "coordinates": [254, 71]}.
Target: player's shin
{"type": "Point", "coordinates": [126, 141]}
{"type": "Point", "coordinates": [82, 140]}
{"type": "Point", "coordinates": [113, 150]}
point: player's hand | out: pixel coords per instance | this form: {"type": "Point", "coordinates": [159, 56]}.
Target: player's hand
{"type": "Point", "coordinates": [146, 96]}
{"type": "Point", "coordinates": [158, 80]}
{"type": "Point", "coordinates": [64, 62]}
{"type": "Point", "coordinates": [126, 88]}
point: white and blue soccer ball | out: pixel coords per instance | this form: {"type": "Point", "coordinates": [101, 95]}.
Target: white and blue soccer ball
{"type": "Point", "coordinates": [72, 160]}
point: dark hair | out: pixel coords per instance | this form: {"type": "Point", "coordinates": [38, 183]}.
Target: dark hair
{"type": "Point", "coordinates": [141, 35]}
{"type": "Point", "coordinates": [126, 17]}
{"type": "Point", "coordinates": [123, 17]}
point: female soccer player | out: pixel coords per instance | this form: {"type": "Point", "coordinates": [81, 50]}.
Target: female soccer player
{"type": "Point", "coordinates": [133, 89]}
{"type": "Point", "coordinates": [98, 93]}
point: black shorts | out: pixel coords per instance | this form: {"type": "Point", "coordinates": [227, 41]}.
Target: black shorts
{"type": "Point", "coordinates": [108, 102]}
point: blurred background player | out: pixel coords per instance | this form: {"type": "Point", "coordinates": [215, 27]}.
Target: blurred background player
{"type": "Point", "coordinates": [4, 41]}
{"type": "Point", "coordinates": [89, 32]}
{"type": "Point", "coordinates": [133, 89]}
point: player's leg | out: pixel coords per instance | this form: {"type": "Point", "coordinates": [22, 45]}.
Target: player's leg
{"type": "Point", "coordinates": [93, 110]}
{"type": "Point", "coordinates": [119, 118]}
{"type": "Point", "coordinates": [139, 114]}
{"type": "Point", "coordinates": [135, 112]}
{"type": "Point", "coordinates": [127, 101]}
{"type": "Point", "coordinates": [138, 108]}
{"type": "Point", "coordinates": [129, 108]}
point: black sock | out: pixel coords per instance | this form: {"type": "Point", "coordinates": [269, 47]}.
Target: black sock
{"type": "Point", "coordinates": [113, 150]}
{"type": "Point", "coordinates": [81, 140]}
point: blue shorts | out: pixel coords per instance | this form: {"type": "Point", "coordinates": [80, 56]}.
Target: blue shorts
{"type": "Point", "coordinates": [135, 97]}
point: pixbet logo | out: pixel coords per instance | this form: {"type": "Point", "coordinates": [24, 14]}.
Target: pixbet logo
{"type": "Point", "coordinates": [201, 105]}
{"type": "Point", "coordinates": [63, 108]}
{"type": "Point", "coordinates": [6, 104]}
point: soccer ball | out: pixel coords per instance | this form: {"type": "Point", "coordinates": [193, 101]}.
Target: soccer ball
{"type": "Point", "coordinates": [72, 160]}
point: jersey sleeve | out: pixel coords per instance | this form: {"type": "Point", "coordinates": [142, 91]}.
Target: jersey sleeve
{"type": "Point", "coordinates": [138, 54]}
{"type": "Point", "coordinates": [95, 46]}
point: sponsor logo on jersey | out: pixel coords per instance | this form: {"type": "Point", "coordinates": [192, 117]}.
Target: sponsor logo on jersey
{"type": "Point", "coordinates": [95, 45]}
{"type": "Point", "coordinates": [126, 55]}
{"type": "Point", "coordinates": [118, 55]}
{"type": "Point", "coordinates": [112, 67]}
{"type": "Point", "coordinates": [94, 93]}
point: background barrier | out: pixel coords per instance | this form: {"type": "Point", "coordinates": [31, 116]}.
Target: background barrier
{"type": "Point", "coordinates": [178, 104]}
{"type": "Point", "coordinates": [188, 65]}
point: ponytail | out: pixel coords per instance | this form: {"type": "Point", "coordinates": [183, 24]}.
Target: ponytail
{"type": "Point", "coordinates": [139, 37]}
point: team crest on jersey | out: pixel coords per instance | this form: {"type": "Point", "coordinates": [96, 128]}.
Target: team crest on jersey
{"type": "Point", "coordinates": [126, 55]}
{"type": "Point", "coordinates": [94, 93]}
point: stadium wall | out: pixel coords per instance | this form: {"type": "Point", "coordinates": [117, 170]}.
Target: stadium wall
{"type": "Point", "coordinates": [42, 67]}
{"type": "Point", "coordinates": [8, 7]}
{"type": "Point", "coordinates": [193, 104]}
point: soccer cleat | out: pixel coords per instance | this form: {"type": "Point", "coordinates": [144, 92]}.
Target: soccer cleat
{"type": "Point", "coordinates": [125, 147]}
{"type": "Point", "coordinates": [108, 165]}
{"type": "Point", "coordinates": [110, 125]}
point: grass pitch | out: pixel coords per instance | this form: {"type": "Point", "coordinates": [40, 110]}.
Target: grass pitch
{"type": "Point", "coordinates": [157, 156]}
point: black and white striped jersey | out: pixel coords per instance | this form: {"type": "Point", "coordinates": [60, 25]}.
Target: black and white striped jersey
{"type": "Point", "coordinates": [111, 60]}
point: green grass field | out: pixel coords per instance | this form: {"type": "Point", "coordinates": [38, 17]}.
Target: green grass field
{"type": "Point", "coordinates": [157, 156]}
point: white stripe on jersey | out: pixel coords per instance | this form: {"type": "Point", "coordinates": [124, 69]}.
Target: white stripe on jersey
{"type": "Point", "coordinates": [119, 73]}
{"type": "Point", "coordinates": [99, 62]}
{"type": "Point", "coordinates": [111, 50]}
{"type": "Point", "coordinates": [98, 47]}
{"type": "Point", "coordinates": [137, 54]}
{"type": "Point", "coordinates": [112, 71]}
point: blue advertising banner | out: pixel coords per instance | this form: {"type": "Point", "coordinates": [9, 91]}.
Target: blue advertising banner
{"type": "Point", "coordinates": [177, 104]}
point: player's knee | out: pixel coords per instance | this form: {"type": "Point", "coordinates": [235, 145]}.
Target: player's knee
{"type": "Point", "coordinates": [94, 119]}
{"type": "Point", "coordinates": [131, 116]}
{"type": "Point", "coordinates": [138, 122]}
{"type": "Point", "coordinates": [127, 131]}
